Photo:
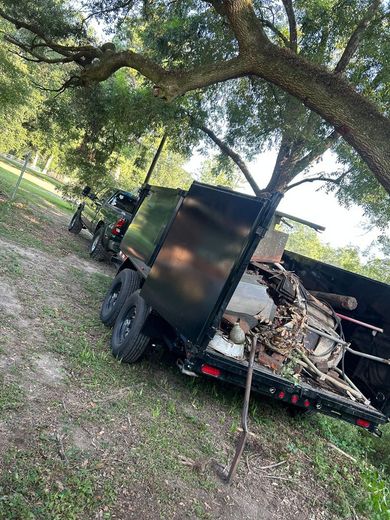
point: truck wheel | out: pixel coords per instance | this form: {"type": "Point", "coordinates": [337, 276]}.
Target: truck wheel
{"type": "Point", "coordinates": [97, 250]}
{"type": "Point", "coordinates": [124, 284]}
{"type": "Point", "coordinates": [75, 225]}
{"type": "Point", "coordinates": [128, 343]}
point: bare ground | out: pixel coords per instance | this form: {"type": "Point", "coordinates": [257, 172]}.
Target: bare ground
{"type": "Point", "coordinates": [82, 436]}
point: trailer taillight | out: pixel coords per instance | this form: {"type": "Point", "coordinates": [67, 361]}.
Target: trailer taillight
{"type": "Point", "coordinates": [363, 423]}
{"type": "Point", "coordinates": [294, 398]}
{"type": "Point", "coordinates": [306, 403]}
{"type": "Point", "coordinates": [210, 371]}
{"type": "Point", "coordinates": [281, 394]}
{"type": "Point", "coordinates": [116, 230]}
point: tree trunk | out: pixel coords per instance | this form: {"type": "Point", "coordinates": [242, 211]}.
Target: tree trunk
{"type": "Point", "coordinates": [47, 165]}
{"type": "Point", "coordinates": [35, 160]}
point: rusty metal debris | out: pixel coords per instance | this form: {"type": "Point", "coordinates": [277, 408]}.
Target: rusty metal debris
{"type": "Point", "coordinates": [298, 335]}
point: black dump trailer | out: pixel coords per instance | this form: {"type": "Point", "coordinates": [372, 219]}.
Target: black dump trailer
{"type": "Point", "coordinates": [190, 259]}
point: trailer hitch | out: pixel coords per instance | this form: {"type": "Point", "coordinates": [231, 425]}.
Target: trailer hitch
{"type": "Point", "coordinates": [244, 414]}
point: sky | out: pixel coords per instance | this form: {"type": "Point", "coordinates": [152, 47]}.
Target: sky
{"type": "Point", "coordinates": [343, 226]}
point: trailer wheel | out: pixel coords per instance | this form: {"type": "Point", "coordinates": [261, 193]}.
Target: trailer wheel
{"type": "Point", "coordinates": [124, 284]}
{"type": "Point", "coordinates": [97, 250]}
{"type": "Point", "coordinates": [128, 343]}
{"type": "Point", "coordinates": [75, 225]}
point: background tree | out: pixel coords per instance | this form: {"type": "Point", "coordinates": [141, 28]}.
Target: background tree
{"type": "Point", "coordinates": [370, 263]}
{"type": "Point", "coordinates": [103, 135]}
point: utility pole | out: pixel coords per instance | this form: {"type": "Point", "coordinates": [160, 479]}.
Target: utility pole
{"type": "Point", "coordinates": [21, 175]}
{"type": "Point", "coordinates": [155, 159]}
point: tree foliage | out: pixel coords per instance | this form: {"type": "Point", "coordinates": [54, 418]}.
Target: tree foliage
{"type": "Point", "coordinates": [104, 135]}
{"type": "Point", "coordinates": [305, 241]}
{"type": "Point", "coordinates": [306, 77]}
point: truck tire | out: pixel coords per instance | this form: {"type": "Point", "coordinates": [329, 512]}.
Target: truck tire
{"type": "Point", "coordinates": [128, 343]}
{"type": "Point", "coordinates": [124, 284]}
{"type": "Point", "coordinates": [97, 250]}
{"type": "Point", "coordinates": [75, 224]}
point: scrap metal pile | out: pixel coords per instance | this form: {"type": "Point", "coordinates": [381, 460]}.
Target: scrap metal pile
{"type": "Point", "coordinates": [299, 336]}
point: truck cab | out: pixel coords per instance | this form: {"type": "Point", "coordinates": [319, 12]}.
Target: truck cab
{"type": "Point", "coordinates": [106, 218]}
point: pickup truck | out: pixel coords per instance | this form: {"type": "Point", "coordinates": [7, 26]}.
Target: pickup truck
{"type": "Point", "coordinates": [107, 219]}
{"type": "Point", "coordinates": [200, 279]}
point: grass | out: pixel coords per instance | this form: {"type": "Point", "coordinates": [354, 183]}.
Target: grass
{"type": "Point", "coordinates": [361, 484]}
{"type": "Point", "coordinates": [32, 174]}
{"type": "Point", "coordinates": [153, 429]}
{"type": "Point", "coordinates": [32, 487]}
{"type": "Point", "coordinates": [11, 396]}
{"type": "Point", "coordinates": [32, 189]}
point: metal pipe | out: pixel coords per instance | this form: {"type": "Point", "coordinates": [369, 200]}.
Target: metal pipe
{"type": "Point", "coordinates": [332, 380]}
{"type": "Point", "coordinates": [368, 356]}
{"type": "Point", "coordinates": [362, 323]}
{"type": "Point", "coordinates": [24, 167]}
{"type": "Point", "coordinates": [244, 413]}
{"type": "Point", "coordinates": [350, 382]}
{"type": "Point", "coordinates": [317, 227]}
{"type": "Point", "coordinates": [155, 159]}
{"type": "Point", "coordinates": [337, 340]}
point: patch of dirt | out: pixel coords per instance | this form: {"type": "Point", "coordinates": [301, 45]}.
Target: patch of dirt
{"type": "Point", "coordinates": [48, 368]}
{"type": "Point", "coordinates": [9, 302]}
{"type": "Point", "coordinates": [34, 257]}
{"type": "Point", "coordinates": [85, 265]}
{"type": "Point", "coordinates": [81, 438]}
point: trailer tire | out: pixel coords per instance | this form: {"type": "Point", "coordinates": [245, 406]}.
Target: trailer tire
{"type": "Point", "coordinates": [124, 284]}
{"type": "Point", "coordinates": [128, 343]}
{"type": "Point", "coordinates": [75, 224]}
{"type": "Point", "coordinates": [97, 250]}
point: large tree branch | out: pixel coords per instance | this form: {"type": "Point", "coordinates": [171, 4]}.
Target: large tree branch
{"type": "Point", "coordinates": [168, 84]}
{"type": "Point", "coordinates": [225, 148]}
{"type": "Point", "coordinates": [292, 23]}
{"type": "Point", "coordinates": [356, 37]}
{"type": "Point", "coordinates": [290, 163]}
{"type": "Point", "coordinates": [320, 178]}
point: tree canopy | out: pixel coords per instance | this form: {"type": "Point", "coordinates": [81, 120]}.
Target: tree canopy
{"type": "Point", "coordinates": [303, 76]}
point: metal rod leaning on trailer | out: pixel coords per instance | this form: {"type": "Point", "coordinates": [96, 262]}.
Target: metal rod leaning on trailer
{"type": "Point", "coordinates": [244, 414]}
{"type": "Point", "coordinates": [155, 159]}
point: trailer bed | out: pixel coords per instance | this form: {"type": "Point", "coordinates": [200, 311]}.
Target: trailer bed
{"type": "Point", "coordinates": [302, 394]}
